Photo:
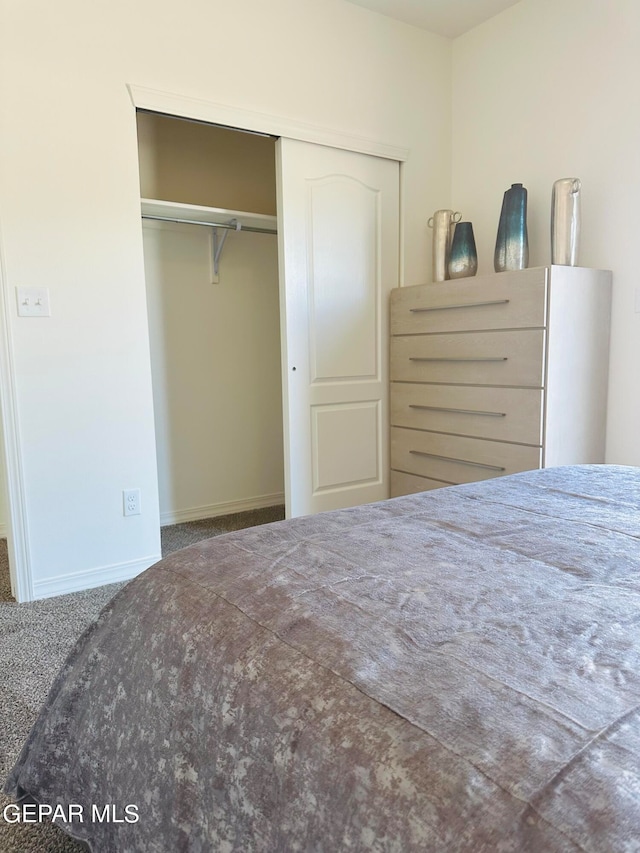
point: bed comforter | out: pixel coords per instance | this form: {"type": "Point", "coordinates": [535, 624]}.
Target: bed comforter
{"type": "Point", "coordinates": [451, 671]}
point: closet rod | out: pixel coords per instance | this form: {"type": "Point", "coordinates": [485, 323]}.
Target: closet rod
{"type": "Point", "coordinates": [229, 226]}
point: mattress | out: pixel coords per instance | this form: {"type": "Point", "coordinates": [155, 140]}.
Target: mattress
{"type": "Point", "coordinates": [457, 670]}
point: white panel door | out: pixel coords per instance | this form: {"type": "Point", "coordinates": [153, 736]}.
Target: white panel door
{"type": "Point", "coordinates": [338, 226]}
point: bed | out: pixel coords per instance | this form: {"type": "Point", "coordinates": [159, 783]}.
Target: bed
{"type": "Point", "coordinates": [455, 670]}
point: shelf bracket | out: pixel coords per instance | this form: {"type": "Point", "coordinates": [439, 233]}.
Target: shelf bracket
{"type": "Point", "coordinates": [218, 242]}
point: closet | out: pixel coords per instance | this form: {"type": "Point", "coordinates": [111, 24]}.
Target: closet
{"type": "Point", "coordinates": [269, 355]}
{"type": "Point", "coordinates": [214, 317]}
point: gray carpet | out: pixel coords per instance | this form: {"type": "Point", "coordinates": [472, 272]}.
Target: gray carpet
{"type": "Point", "coordinates": [35, 639]}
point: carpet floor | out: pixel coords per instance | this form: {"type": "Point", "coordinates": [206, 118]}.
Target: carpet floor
{"type": "Point", "coordinates": [35, 639]}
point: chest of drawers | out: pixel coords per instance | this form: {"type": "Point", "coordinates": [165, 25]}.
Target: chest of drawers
{"type": "Point", "coordinates": [497, 374]}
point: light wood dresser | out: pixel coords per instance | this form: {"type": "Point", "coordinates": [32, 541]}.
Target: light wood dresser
{"type": "Point", "coordinates": [497, 374]}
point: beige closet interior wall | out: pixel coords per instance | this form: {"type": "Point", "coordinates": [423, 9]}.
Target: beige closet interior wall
{"type": "Point", "coordinates": [199, 164]}
{"type": "Point", "coordinates": [215, 348]}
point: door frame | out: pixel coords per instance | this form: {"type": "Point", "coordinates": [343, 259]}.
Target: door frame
{"type": "Point", "coordinates": [17, 518]}
{"type": "Point", "coordinates": [181, 106]}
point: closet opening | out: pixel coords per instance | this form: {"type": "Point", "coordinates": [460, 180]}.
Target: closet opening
{"type": "Point", "coordinates": [211, 268]}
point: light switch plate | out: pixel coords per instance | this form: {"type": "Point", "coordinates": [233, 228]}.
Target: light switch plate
{"type": "Point", "coordinates": [637, 301]}
{"type": "Point", "coordinates": [33, 302]}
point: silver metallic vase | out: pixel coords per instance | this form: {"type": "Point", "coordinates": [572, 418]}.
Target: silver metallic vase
{"type": "Point", "coordinates": [512, 242]}
{"type": "Point", "coordinates": [565, 222]}
{"type": "Point", "coordinates": [442, 222]}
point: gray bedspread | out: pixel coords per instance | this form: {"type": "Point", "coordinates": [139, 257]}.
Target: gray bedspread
{"type": "Point", "coordinates": [452, 671]}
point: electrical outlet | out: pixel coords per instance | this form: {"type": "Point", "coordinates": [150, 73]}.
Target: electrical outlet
{"type": "Point", "coordinates": [131, 501]}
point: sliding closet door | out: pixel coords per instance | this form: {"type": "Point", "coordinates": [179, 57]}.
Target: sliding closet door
{"type": "Point", "coordinates": [338, 231]}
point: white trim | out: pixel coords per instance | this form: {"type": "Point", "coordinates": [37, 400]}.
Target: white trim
{"type": "Point", "coordinates": [91, 578]}
{"type": "Point", "coordinates": [197, 513]}
{"type": "Point", "coordinates": [401, 222]}
{"type": "Point", "coordinates": [185, 106]}
{"type": "Point", "coordinates": [18, 541]}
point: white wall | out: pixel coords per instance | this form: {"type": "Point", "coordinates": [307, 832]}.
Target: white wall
{"type": "Point", "coordinates": [70, 217]}
{"type": "Point", "coordinates": [543, 91]}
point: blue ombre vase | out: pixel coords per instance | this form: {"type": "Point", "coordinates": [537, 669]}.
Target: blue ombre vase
{"type": "Point", "coordinates": [512, 242]}
{"type": "Point", "coordinates": [463, 257]}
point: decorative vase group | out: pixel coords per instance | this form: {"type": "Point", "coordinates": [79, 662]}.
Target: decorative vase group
{"type": "Point", "coordinates": [454, 247]}
{"type": "Point", "coordinates": [512, 242]}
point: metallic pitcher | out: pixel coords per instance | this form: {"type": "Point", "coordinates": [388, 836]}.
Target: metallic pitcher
{"type": "Point", "coordinates": [442, 222]}
{"type": "Point", "coordinates": [565, 221]}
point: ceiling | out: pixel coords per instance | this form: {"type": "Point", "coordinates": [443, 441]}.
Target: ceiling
{"type": "Point", "coordinates": [445, 17]}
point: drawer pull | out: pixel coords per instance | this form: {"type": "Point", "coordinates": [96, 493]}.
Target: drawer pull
{"type": "Point", "coordinates": [471, 359]}
{"type": "Point", "coordinates": [462, 461]}
{"type": "Point", "coordinates": [459, 411]}
{"type": "Point", "coordinates": [462, 305]}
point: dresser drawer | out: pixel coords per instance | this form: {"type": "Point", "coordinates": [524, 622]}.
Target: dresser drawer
{"type": "Point", "coordinates": [457, 459]}
{"type": "Point", "coordinates": [410, 484]}
{"type": "Point", "coordinates": [505, 414]}
{"type": "Point", "coordinates": [473, 358]}
{"type": "Point", "coordinates": [507, 301]}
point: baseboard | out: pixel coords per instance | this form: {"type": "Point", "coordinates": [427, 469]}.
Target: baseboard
{"type": "Point", "coordinates": [3, 531]}
{"type": "Point", "coordinates": [77, 581]}
{"type": "Point", "coordinates": [227, 508]}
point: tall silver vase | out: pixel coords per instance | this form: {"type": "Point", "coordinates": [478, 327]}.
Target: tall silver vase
{"type": "Point", "coordinates": [565, 222]}
{"type": "Point", "coordinates": [442, 222]}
